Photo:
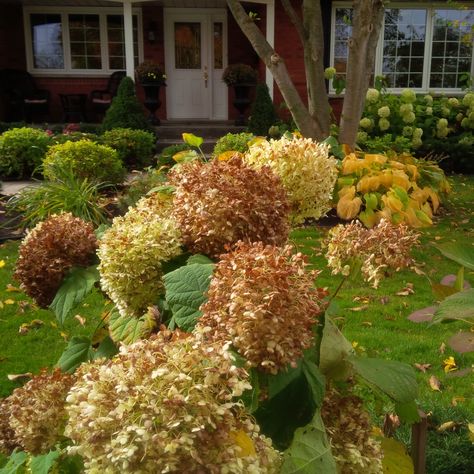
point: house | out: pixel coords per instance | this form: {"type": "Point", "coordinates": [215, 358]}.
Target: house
{"type": "Point", "coordinates": [72, 46]}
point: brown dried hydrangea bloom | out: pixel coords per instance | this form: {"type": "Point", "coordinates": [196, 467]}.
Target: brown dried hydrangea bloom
{"type": "Point", "coordinates": [166, 404]}
{"type": "Point", "coordinates": [221, 202]}
{"type": "Point", "coordinates": [349, 428]}
{"type": "Point", "coordinates": [7, 435]}
{"type": "Point", "coordinates": [49, 250]}
{"type": "Point", "coordinates": [263, 302]}
{"type": "Point", "coordinates": [385, 246]}
{"type": "Point", "coordinates": [37, 413]}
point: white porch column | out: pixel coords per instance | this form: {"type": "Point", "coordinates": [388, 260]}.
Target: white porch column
{"type": "Point", "coordinates": [128, 34]}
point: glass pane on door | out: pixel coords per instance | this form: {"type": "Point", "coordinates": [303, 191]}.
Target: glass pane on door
{"type": "Point", "coordinates": [218, 45]}
{"type": "Point", "coordinates": [187, 41]}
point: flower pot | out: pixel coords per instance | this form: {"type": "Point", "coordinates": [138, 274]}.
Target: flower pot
{"type": "Point", "coordinates": [242, 101]}
{"type": "Point", "coordinates": [152, 100]}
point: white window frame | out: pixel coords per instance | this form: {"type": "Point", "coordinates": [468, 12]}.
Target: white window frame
{"type": "Point", "coordinates": [102, 12]}
{"type": "Point", "coordinates": [429, 7]}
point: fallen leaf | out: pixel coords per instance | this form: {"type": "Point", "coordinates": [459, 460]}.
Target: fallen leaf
{"type": "Point", "coordinates": [456, 400]}
{"type": "Point", "coordinates": [9, 301]}
{"type": "Point", "coordinates": [12, 289]}
{"type": "Point", "coordinates": [64, 336]}
{"type": "Point", "coordinates": [450, 280]}
{"type": "Point", "coordinates": [361, 299]}
{"type": "Point", "coordinates": [422, 367]}
{"type": "Point", "coordinates": [26, 327]}
{"type": "Point", "coordinates": [470, 427]}
{"type": "Point", "coordinates": [460, 373]}
{"type": "Point", "coordinates": [359, 308]}
{"type": "Point", "coordinates": [437, 237]}
{"type": "Point", "coordinates": [449, 364]}
{"type": "Point", "coordinates": [366, 324]}
{"type": "Point", "coordinates": [82, 320]}
{"type": "Point", "coordinates": [2, 263]}
{"type": "Point", "coordinates": [15, 377]}
{"type": "Point", "coordinates": [384, 300]}
{"type": "Point", "coordinates": [435, 384]}
{"type": "Point", "coordinates": [447, 426]}
{"type": "Point", "coordinates": [419, 271]}
{"type": "Point", "coordinates": [408, 290]}
{"type": "Point", "coordinates": [442, 348]}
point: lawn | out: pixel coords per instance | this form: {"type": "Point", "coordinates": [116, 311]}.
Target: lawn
{"type": "Point", "coordinates": [375, 321]}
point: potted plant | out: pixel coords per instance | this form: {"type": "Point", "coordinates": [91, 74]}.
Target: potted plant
{"type": "Point", "coordinates": [151, 77]}
{"type": "Point", "coordinates": [242, 78]}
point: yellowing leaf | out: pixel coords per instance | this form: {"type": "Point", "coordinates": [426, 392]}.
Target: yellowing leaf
{"type": "Point", "coordinates": [347, 208]}
{"type": "Point", "coordinates": [9, 301]}
{"type": "Point", "coordinates": [12, 289]}
{"type": "Point", "coordinates": [2, 263]}
{"type": "Point", "coordinates": [395, 459]}
{"type": "Point", "coordinates": [470, 427]}
{"type": "Point", "coordinates": [227, 155]}
{"type": "Point", "coordinates": [449, 364]}
{"type": "Point", "coordinates": [245, 443]}
{"type": "Point", "coordinates": [192, 139]}
{"type": "Point", "coordinates": [456, 400]}
{"type": "Point", "coordinates": [435, 384]}
{"type": "Point", "coordinates": [447, 426]}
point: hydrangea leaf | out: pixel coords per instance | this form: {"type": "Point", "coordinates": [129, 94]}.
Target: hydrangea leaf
{"type": "Point", "coordinates": [315, 379]}
{"type": "Point", "coordinates": [129, 329]}
{"type": "Point", "coordinates": [76, 286]}
{"type": "Point", "coordinates": [309, 451]}
{"type": "Point", "coordinates": [459, 306]}
{"type": "Point", "coordinates": [43, 463]}
{"type": "Point", "coordinates": [408, 412]}
{"type": "Point", "coordinates": [107, 349]}
{"type": "Point", "coordinates": [78, 350]}
{"type": "Point", "coordinates": [279, 381]}
{"type": "Point", "coordinates": [16, 460]}
{"type": "Point", "coordinates": [198, 258]}
{"type": "Point", "coordinates": [395, 459]}
{"type": "Point", "coordinates": [186, 290]}
{"type": "Point", "coordinates": [458, 252]}
{"type": "Point", "coordinates": [395, 379]}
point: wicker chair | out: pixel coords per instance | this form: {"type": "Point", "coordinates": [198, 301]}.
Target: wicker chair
{"type": "Point", "coordinates": [101, 99]}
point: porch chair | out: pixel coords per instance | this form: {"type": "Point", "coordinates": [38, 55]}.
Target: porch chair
{"type": "Point", "coordinates": [101, 99]}
{"type": "Point", "coordinates": [21, 98]}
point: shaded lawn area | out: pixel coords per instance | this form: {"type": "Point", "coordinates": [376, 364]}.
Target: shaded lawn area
{"type": "Point", "coordinates": [374, 320]}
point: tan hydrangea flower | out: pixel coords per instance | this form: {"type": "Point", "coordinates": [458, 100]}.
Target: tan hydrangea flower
{"type": "Point", "coordinates": [166, 404]}
{"type": "Point", "coordinates": [132, 252]}
{"type": "Point", "coordinates": [221, 202]}
{"type": "Point", "coordinates": [349, 429]}
{"type": "Point", "coordinates": [384, 247]}
{"type": "Point", "coordinates": [263, 302]}
{"type": "Point", "coordinates": [49, 251]}
{"type": "Point", "coordinates": [7, 435]}
{"type": "Point", "coordinates": [37, 415]}
{"type": "Point", "coordinates": [306, 170]}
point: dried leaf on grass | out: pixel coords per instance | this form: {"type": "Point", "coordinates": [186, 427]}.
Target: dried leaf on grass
{"type": "Point", "coordinates": [435, 384]}
{"type": "Point", "coordinates": [422, 367]}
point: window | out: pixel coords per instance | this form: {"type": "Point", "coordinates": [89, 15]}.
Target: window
{"type": "Point", "coordinates": [77, 40]}
{"type": "Point", "coordinates": [425, 47]}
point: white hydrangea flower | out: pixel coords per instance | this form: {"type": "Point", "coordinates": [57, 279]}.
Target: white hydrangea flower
{"type": "Point", "coordinates": [372, 95]}
{"type": "Point", "coordinates": [366, 123]}
{"type": "Point", "coordinates": [405, 109]}
{"type": "Point", "coordinates": [417, 133]}
{"type": "Point", "coordinates": [429, 110]}
{"type": "Point", "coordinates": [362, 137]}
{"type": "Point", "coordinates": [384, 111]}
{"type": "Point", "coordinates": [409, 117]}
{"type": "Point", "coordinates": [408, 95]}
{"type": "Point", "coordinates": [384, 124]}
{"type": "Point", "coordinates": [407, 131]}
{"type": "Point", "coordinates": [428, 99]}
{"type": "Point", "coordinates": [329, 73]}
{"type": "Point", "coordinates": [453, 102]}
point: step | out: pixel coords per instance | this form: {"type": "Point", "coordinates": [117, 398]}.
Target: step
{"type": "Point", "coordinates": [206, 129]}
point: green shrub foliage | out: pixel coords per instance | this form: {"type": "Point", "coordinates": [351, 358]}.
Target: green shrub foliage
{"type": "Point", "coordinates": [166, 156]}
{"type": "Point", "coordinates": [134, 147]}
{"type": "Point", "coordinates": [233, 142]}
{"type": "Point", "coordinates": [263, 114]}
{"type": "Point", "coordinates": [22, 151]}
{"type": "Point", "coordinates": [85, 159]}
{"type": "Point", "coordinates": [125, 110]}
{"type": "Point", "coordinates": [73, 137]}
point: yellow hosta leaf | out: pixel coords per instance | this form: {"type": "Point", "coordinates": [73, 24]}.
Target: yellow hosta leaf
{"type": "Point", "coordinates": [369, 183]}
{"type": "Point", "coordinates": [375, 158]}
{"type": "Point", "coordinates": [368, 218]}
{"type": "Point", "coordinates": [400, 178]}
{"type": "Point", "coordinates": [426, 208]}
{"type": "Point", "coordinates": [346, 149]}
{"type": "Point", "coordinates": [410, 217]}
{"type": "Point", "coordinates": [243, 440]}
{"type": "Point", "coordinates": [395, 459]}
{"type": "Point", "coordinates": [392, 202]}
{"type": "Point", "coordinates": [433, 196]}
{"type": "Point", "coordinates": [352, 164]}
{"type": "Point", "coordinates": [386, 179]}
{"type": "Point", "coordinates": [347, 192]}
{"type": "Point", "coordinates": [413, 170]}
{"type": "Point", "coordinates": [396, 165]}
{"type": "Point", "coordinates": [348, 208]}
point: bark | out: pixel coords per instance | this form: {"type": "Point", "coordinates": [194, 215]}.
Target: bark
{"type": "Point", "coordinates": [306, 123]}
{"type": "Point", "coordinates": [367, 23]}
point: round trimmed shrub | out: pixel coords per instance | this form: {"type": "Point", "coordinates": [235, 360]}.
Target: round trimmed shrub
{"type": "Point", "coordinates": [217, 204]}
{"type": "Point", "coordinates": [134, 147]}
{"type": "Point", "coordinates": [233, 142]}
{"type": "Point", "coordinates": [73, 137]}
{"type": "Point", "coordinates": [49, 251]}
{"type": "Point", "coordinates": [21, 151]}
{"type": "Point", "coordinates": [86, 159]}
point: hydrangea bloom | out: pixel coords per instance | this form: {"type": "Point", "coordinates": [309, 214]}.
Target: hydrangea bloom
{"type": "Point", "coordinates": [219, 203]}
{"type": "Point", "coordinates": [49, 251]}
{"type": "Point", "coordinates": [418, 132]}
{"type": "Point", "coordinates": [349, 429]}
{"type": "Point", "coordinates": [132, 251]}
{"type": "Point", "coordinates": [453, 102]}
{"type": "Point", "coordinates": [406, 108]}
{"type": "Point", "coordinates": [7, 435]}
{"type": "Point", "coordinates": [385, 246]}
{"type": "Point", "coordinates": [37, 412]}
{"type": "Point", "coordinates": [468, 99]}
{"type": "Point", "coordinates": [384, 111]}
{"type": "Point", "coordinates": [428, 99]}
{"type": "Point", "coordinates": [166, 404]}
{"type": "Point", "coordinates": [366, 123]}
{"type": "Point", "coordinates": [263, 302]}
{"type": "Point", "coordinates": [362, 137]}
{"type": "Point", "coordinates": [408, 95]}
{"type": "Point", "coordinates": [372, 95]}
{"type": "Point", "coordinates": [429, 110]}
{"type": "Point", "coordinates": [306, 170]}
{"type": "Point", "coordinates": [409, 117]}
{"type": "Point", "coordinates": [384, 124]}
{"type": "Point", "coordinates": [329, 73]}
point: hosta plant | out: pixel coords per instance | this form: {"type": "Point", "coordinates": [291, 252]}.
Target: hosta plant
{"type": "Point", "coordinates": [399, 188]}
{"type": "Point", "coordinates": [306, 170]}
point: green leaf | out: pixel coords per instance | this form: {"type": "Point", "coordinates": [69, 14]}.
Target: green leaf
{"type": "Point", "coordinates": [335, 147]}
{"type": "Point", "coordinates": [395, 459]}
{"type": "Point", "coordinates": [15, 463]}
{"type": "Point", "coordinates": [43, 463]}
{"type": "Point", "coordinates": [128, 329]}
{"type": "Point", "coordinates": [192, 140]}
{"type": "Point", "coordinates": [310, 451]}
{"type": "Point", "coordinates": [441, 292]}
{"type": "Point", "coordinates": [164, 189]}
{"type": "Point", "coordinates": [78, 350]}
{"type": "Point", "coordinates": [186, 290]}
{"type": "Point", "coordinates": [107, 349]}
{"type": "Point", "coordinates": [76, 286]}
{"type": "Point", "coordinates": [459, 252]}
{"type": "Point", "coordinates": [459, 283]}
{"type": "Point", "coordinates": [316, 381]}
{"type": "Point", "coordinates": [100, 231]}
{"type": "Point", "coordinates": [459, 306]}
{"type": "Point", "coordinates": [335, 349]}
{"type": "Point", "coordinates": [198, 258]}
{"type": "Point", "coordinates": [395, 379]}
{"type": "Point", "coordinates": [279, 381]}
{"type": "Point", "coordinates": [408, 412]}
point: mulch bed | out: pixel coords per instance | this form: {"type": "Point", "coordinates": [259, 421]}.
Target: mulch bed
{"type": "Point", "coordinates": [10, 223]}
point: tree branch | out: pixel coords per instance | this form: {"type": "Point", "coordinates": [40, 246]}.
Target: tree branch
{"type": "Point", "coordinates": [295, 19]}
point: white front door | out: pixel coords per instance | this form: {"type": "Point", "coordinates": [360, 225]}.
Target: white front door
{"type": "Point", "coordinates": [195, 56]}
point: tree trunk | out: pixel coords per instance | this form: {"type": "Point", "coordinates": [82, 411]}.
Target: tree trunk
{"type": "Point", "coordinates": [368, 16]}
{"type": "Point", "coordinates": [307, 125]}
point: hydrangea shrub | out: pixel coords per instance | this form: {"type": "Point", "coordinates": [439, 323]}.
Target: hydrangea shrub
{"type": "Point", "coordinates": [307, 172]}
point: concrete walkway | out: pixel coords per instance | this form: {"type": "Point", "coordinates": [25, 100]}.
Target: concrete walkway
{"type": "Point", "coordinates": [9, 188]}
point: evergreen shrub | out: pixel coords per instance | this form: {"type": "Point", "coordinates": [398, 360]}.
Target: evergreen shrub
{"type": "Point", "coordinates": [263, 114]}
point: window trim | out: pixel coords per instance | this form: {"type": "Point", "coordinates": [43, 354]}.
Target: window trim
{"type": "Point", "coordinates": [64, 11]}
{"type": "Point", "coordinates": [429, 7]}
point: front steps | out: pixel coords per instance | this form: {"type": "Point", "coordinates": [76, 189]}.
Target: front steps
{"type": "Point", "coordinates": [170, 132]}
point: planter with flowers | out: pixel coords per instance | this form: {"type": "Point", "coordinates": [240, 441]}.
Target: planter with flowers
{"type": "Point", "coordinates": [242, 78]}
{"type": "Point", "coordinates": [151, 78]}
